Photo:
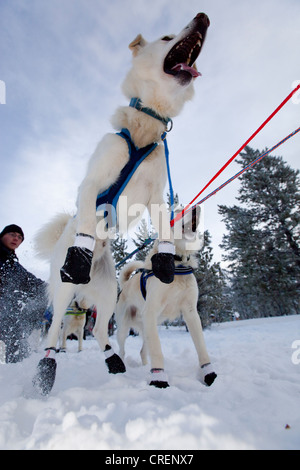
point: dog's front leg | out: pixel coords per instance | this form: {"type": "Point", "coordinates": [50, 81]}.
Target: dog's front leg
{"type": "Point", "coordinates": [163, 265]}
{"type": "Point", "coordinates": [77, 266]}
{"type": "Point", "coordinates": [194, 325]}
{"type": "Point", "coordinates": [104, 169]}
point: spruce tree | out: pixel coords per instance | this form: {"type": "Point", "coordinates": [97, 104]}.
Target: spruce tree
{"type": "Point", "coordinates": [144, 232]}
{"type": "Point", "coordinates": [119, 250]}
{"type": "Point", "coordinates": [213, 302]}
{"type": "Point", "coordinates": [262, 243]}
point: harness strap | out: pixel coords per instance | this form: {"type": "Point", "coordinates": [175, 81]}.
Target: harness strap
{"type": "Point", "coordinates": [108, 199]}
{"type": "Point", "coordinates": [71, 311]}
{"type": "Point", "coordinates": [146, 273]}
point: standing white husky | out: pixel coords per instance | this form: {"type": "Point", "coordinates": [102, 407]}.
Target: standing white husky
{"type": "Point", "coordinates": [158, 84]}
{"type": "Point", "coordinates": [73, 323]}
{"type": "Point", "coordinates": [145, 302]}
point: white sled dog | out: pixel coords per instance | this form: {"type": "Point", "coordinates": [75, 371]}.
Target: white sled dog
{"type": "Point", "coordinates": [158, 84]}
{"type": "Point", "coordinates": [73, 323]}
{"type": "Point", "coordinates": [145, 302]}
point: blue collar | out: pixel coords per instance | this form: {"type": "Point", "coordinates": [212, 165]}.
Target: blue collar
{"type": "Point", "coordinates": [137, 104]}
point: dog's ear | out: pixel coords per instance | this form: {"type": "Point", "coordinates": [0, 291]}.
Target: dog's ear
{"type": "Point", "coordinates": [137, 44]}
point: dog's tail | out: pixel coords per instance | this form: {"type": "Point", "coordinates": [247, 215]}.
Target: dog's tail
{"type": "Point", "coordinates": [128, 270]}
{"type": "Point", "coordinates": [49, 234]}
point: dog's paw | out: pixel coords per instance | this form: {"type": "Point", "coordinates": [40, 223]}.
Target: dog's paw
{"type": "Point", "coordinates": [76, 269]}
{"type": "Point", "coordinates": [158, 378]}
{"type": "Point", "coordinates": [208, 375]}
{"type": "Point", "coordinates": [44, 379]}
{"type": "Point", "coordinates": [114, 362]}
{"type": "Point", "coordinates": [163, 267]}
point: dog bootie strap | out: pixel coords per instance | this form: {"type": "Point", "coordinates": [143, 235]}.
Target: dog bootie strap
{"type": "Point", "coordinates": [207, 375]}
{"type": "Point", "coordinates": [158, 378]}
{"type": "Point", "coordinates": [82, 240]}
{"type": "Point", "coordinates": [76, 269]}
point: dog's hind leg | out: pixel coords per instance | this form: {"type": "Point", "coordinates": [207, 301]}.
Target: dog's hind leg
{"type": "Point", "coordinates": [80, 338]}
{"type": "Point", "coordinates": [63, 342]}
{"type": "Point", "coordinates": [62, 298]}
{"type": "Point", "coordinates": [191, 316]}
{"type": "Point", "coordinates": [122, 328]}
{"type": "Point", "coordinates": [46, 373]}
{"type": "Point", "coordinates": [143, 353]}
{"type": "Point", "coordinates": [113, 361]}
{"type": "Point", "coordinates": [105, 308]}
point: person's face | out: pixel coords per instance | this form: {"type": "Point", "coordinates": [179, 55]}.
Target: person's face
{"type": "Point", "coordinates": [12, 240]}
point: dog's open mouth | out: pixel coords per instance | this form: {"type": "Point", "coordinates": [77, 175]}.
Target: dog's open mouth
{"type": "Point", "coordinates": [180, 61]}
{"type": "Point", "coordinates": [182, 57]}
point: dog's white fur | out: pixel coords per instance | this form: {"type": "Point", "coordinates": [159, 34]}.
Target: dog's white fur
{"type": "Point", "coordinates": [73, 324]}
{"type": "Point", "coordinates": [159, 92]}
{"type": "Point", "coordinates": [165, 95]}
{"type": "Point", "coordinates": [51, 243]}
{"type": "Point", "coordinates": [163, 302]}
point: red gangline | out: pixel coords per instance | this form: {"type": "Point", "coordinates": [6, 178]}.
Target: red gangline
{"type": "Point", "coordinates": [180, 215]}
{"type": "Point", "coordinates": [244, 169]}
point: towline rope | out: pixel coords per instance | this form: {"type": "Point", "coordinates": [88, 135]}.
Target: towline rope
{"type": "Point", "coordinates": [189, 208]}
{"type": "Point", "coordinates": [180, 215]}
{"type": "Point", "coordinates": [244, 169]}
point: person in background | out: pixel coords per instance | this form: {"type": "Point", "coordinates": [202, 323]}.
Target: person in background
{"type": "Point", "coordinates": [23, 298]}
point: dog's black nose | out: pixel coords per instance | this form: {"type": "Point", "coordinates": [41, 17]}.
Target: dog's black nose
{"type": "Point", "coordinates": [203, 18]}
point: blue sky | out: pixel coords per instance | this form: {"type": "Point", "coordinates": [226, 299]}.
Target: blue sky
{"type": "Point", "coordinates": [63, 62]}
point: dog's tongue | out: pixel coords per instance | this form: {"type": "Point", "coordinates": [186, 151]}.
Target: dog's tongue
{"type": "Point", "coordinates": [186, 68]}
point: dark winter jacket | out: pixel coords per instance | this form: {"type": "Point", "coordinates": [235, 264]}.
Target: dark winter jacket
{"type": "Point", "coordinates": [23, 298]}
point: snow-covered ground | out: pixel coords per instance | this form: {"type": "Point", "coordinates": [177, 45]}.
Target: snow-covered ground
{"type": "Point", "coordinates": [255, 397]}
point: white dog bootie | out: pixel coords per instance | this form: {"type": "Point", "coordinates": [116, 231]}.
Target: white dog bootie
{"type": "Point", "coordinates": [158, 378]}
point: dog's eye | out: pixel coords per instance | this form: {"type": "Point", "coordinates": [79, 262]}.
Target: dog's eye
{"type": "Point", "coordinates": [167, 38]}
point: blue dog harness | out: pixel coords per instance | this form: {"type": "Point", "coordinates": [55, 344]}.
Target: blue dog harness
{"type": "Point", "coordinates": [146, 273]}
{"type": "Point", "coordinates": [108, 200]}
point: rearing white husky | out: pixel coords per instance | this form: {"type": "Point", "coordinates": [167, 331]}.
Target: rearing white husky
{"type": "Point", "coordinates": [158, 84]}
